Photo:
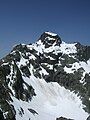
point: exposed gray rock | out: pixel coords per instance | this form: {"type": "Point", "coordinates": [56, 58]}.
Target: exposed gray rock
{"type": "Point", "coordinates": [32, 111]}
{"type": "Point", "coordinates": [63, 118]}
{"type": "Point", "coordinates": [45, 39]}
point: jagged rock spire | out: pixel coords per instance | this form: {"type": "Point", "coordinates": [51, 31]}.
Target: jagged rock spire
{"type": "Point", "coordinates": [49, 39]}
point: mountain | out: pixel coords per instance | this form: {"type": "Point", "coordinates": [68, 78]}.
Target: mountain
{"type": "Point", "coordinates": [46, 80]}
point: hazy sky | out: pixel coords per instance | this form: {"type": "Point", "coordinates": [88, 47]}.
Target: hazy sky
{"type": "Point", "coordinates": [23, 21]}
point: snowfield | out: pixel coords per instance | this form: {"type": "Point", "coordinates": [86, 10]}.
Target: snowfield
{"type": "Point", "coordinates": [51, 101]}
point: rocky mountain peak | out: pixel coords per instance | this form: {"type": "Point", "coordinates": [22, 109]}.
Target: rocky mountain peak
{"type": "Point", "coordinates": [48, 74]}
{"type": "Point", "coordinates": [49, 39]}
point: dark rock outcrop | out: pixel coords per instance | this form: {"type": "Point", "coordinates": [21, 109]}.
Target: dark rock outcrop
{"type": "Point", "coordinates": [88, 118]}
{"type": "Point", "coordinates": [63, 118]}
{"type": "Point", "coordinates": [48, 40]}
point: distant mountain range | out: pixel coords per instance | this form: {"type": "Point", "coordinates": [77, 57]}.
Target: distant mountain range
{"type": "Point", "coordinates": [46, 80]}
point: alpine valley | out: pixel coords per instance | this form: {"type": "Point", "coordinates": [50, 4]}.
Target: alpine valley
{"type": "Point", "coordinates": [46, 80]}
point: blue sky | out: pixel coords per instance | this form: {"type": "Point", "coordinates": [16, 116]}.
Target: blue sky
{"type": "Point", "coordinates": [23, 21]}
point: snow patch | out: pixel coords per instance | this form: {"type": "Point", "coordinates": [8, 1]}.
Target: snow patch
{"type": "Point", "coordinates": [50, 33]}
{"type": "Point", "coordinates": [77, 65]}
{"type": "Point", "coordinates": [68, 48]}
{"type": "Point", "coordinates": [22, 62]}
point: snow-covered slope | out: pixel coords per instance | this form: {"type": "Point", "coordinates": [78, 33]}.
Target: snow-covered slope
{"type": "Point", "coordinates": [50, 102]}
{"type": "Point", "coordinates": [45, 80]}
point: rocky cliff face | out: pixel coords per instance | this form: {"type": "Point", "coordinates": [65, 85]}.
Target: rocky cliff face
{"type": "Point", "coordinates": [44, 80]}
